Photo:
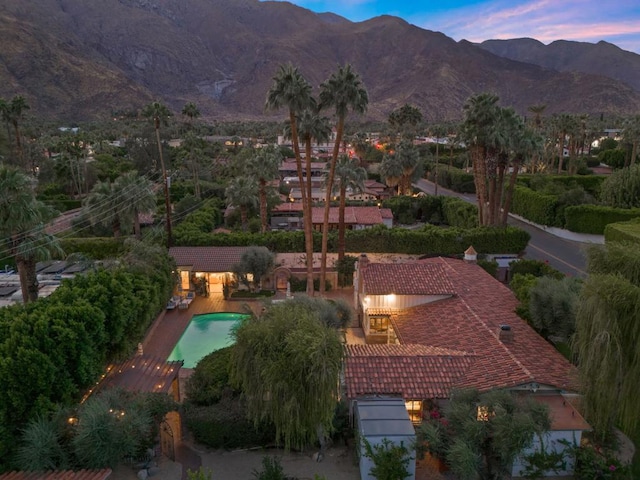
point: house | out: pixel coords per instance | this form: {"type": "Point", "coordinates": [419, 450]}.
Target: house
{"type": "Point", "coordinates": [205, 268]}
{"type": "Point", "coordinates": [439, 324]}
{"type": "Point", "coordinates": [289, 216]}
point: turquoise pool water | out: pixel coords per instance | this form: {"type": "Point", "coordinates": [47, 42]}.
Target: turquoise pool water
{"type": "Point", "coordinates": [205, 333]}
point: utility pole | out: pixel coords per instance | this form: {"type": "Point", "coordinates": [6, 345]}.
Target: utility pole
{"type": "Point", "coordinates": [165, 180]}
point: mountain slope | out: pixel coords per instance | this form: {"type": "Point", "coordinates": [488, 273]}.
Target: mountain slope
{"type": "Point", "coordinates": [600, 58]}
{"type": "Point", "coordinates": [77, 58]}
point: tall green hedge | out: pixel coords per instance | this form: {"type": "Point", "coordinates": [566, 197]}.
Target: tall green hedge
{"type": "Point", "coordinates": [427, 240]}
{"type": "Point", "coordinates": [595, 218]}
{"type": "Point", "coordinates": [459, 213]}
{"type": "Point", "coordinates": [590, 183]}
{"type": "Point", "coordinates": [54, 349]}
{"type": "Point", "coordinates": [95, 248]}
{"type": "Point", "coordinates": [454, 179]}
{"type": "Point", "coordinates": [623, 232]}
{"type": "Point", "coordinates": [536, 207]}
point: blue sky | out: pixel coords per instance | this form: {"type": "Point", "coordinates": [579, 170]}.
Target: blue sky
{"type": "Point", "coordinates": [615, 21]}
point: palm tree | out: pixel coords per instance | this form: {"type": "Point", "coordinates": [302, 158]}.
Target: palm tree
{"type": "Point", "coordinates": [344, 92]}
{"type": "Point", "coordinates": [190, 110]}
{"type": "Point", "coordinates": [159, 114]}
{"type": "Point", "coordinates": [537, 111]}
{"type": "Point", "coordinates": [102, 206]}
{"type": "Point", "coordinates": [391, 170]}
{"type": "Point", "coordinates": [565, 125]}
{"type": "Point", "coordinates": [350, 176]}
{"type": "Point", "coordinates": [13, 112]}
{"type": "Point", "coordinates": [242, 192]}
{"type": "Point", "coordinates": [22, 220]}
{"type": "Point", "coordinates": [478, 132]}
{"type": "Point", "coordinates": [291, 90]}
{"type": "Point", "coordinates": [439, 131]}
{"type": "Point", "coordinates": [527, 144]}
{"type": "Point", "coordinates": [264, 167]}
{"type": "Point", "coordinates": [193, 156]}
{"type": "Point", "coordinates": [136, 196]}
{"type": "Point", "coordinates": [408, 157]}
{"type": "Point", "coordinates": [631, 135]}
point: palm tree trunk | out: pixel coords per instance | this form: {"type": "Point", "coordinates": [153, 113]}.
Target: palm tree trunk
{"type": "Point", "coordinates": [115, 225]}
{"type": "Point", "coordinates": [167, 200]}
{"type": "Point", "coordinates": [327, 205]}
{"type": "Point", "coordinates": [479, 177]}
{"type": "Point", "coordinates": [28, 278]}
{"type": "Point", "coordinates": [508, 198]}
{"type": "Point", "coordinates": [499, 190]}
{"type": "Point", "coordinates": [308, 219]}
{"type": "Point", "coordinates": [263, 205]}
{"type": "Point", "coordinates": [634, 152]}
{"type": "Point", "coordinates": [561, 152]}
{"type": "Point", "coordinates": [341, 226]}
{"type": "Point", "coordinates": [435, 176]}
{"type": "Point", "coordinates": [136, 225]}
{"type": "Point", "coordinates": [306, 203]}
{"type": "Point", "coordinates": [243, 218]}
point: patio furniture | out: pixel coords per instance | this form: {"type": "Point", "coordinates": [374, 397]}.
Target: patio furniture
{"type": "Point", "coordinates": [172, 303]}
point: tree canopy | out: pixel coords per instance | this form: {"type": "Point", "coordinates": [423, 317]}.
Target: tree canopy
{"type": "Point", "coordinates": [607, 337]}
{"type": "Point", "coordinates": [287, 363]}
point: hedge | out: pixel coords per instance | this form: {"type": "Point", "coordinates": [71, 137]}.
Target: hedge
{"type": "Point", "coordinates": [459, 213]}
{"type": "Point", "coordinates": [590, 183]}
{"type": "Point", "coordinates": [534, 206]}
{"type": "Point", "coordinates": [225, 425]}
{"type": "Point", "coordinates": [623, 232]}
{"type": "Point", "coordinates": [427, 240]}
{"type": "Point", "coordinates": [595, 218]}
{"type": "Point", "coordinates": [95, 248]}
{"type": "Point", "coordinates": [407, 209]}
{"type": "Point", "coordinates": [454, 179]}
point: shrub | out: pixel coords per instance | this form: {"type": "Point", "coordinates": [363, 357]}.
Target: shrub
{"type": "Point", "coordinates": [623, 232]}
{"type": "Point", "coordinates": [210, 379]}
{"type": "Point", "coordinates": [224, 425]}
{"type": "Point", "coordinates": [535, 268]}
{"type": "Point", "coordinates": [491, 267]}
{"type": "Point", "coordinates": [594, 218]}
{"type": "Point", "coordinates": [521, 284]}
{"type": "Point", "coordinates": [622, 188]}
{"type": "Point", "coordinates": [459, 213]}
{"type": "Point", "coordinates": [552, 306]}
{"type": "Point", "coordinates": [534, 206]}
{"type": "Point", "coordinates": [613, 158]}
{"type": "Point", "coordinates": [94, 248]}
{"type": "Point", "coordinates": [454, 179]}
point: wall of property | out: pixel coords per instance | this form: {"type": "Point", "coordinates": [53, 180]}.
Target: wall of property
{"type": "Point", "coordinates": [550, 442]}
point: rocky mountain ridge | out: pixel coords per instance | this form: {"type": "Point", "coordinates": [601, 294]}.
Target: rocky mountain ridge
{"type": "Point", "coordinates": [76, 59]}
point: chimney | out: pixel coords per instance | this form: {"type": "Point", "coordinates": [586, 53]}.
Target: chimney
{"type": "Point", "coordinates": [363, 261]}
{"type": "Point", "coordinates": [505, 334]}
{"type": "Point", "coordinates": [470, 255]}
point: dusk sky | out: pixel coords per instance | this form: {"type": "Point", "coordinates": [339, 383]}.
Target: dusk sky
{"type": "Point", "coordinates": [615, 21]}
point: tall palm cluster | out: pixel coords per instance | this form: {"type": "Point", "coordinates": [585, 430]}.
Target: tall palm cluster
{"type": "Point", "coordinates": [119, 204]}
{"type": "Point", "coordinates": [498, 140]}
{"type": "Point", "coordinates": [22, 233]}
{"type": "Point", "coordinates": [343, 92]}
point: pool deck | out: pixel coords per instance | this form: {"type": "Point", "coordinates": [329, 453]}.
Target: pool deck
{"type": "Point", "coordinates": [167, 329]}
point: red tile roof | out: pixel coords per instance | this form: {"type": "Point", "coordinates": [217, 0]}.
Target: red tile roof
{"type": "Point", "coordinates": [59, 475]}
{"type": "Point", "coordinates": [207, 259]}
{"type": "Point", "coordinates": [406, 279]}
{"type": "Point", "coordinates": [412, 371]}
{"type": "Point", "coordinates": [353, 215]}
{"type": "Point", "coordinates": [467, 322]}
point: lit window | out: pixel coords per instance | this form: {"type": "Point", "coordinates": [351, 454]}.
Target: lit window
{"type": "Point", "coordinates": [414, 407]}
{"type": "Point", "coordinates": [379, 324]}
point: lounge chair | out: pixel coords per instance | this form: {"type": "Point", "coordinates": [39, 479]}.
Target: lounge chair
{"type": "Point", "coordinates": [172, 303]}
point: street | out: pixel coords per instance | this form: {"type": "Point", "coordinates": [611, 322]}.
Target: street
{"type": "Point", "coordinates": [564, 255]}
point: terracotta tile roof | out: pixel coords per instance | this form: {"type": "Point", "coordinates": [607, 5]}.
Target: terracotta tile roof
{"type": "Point", "coordinates": [207, 259]}
{"type": "Point", "coordinates": [353, 215]}
{"type": "Point", "coordinates": [471, 321]}
{"type": "Point", "coordinates": [59, 475]}
{"type": "Point", "coordinates": [141, 373]}
{"type": "Point", "coordinates": [412, 371]}
{"type": "Point", "coordinates": [407, 279]}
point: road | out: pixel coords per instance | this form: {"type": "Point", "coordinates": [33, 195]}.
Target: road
{"type": "Point", "coordinates": [564, 255]}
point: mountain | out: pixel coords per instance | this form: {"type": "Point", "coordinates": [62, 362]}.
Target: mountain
{"type": "Point", "coordinates": [77, 59]}
{"type": "Point", "coordinates": [600, 58]}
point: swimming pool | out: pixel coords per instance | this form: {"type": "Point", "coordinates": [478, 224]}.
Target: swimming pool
{"type": "Point", "coordinates": [205, 333]}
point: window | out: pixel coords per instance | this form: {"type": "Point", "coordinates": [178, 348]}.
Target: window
{"type": "Point", "coordinates": [414, 407]}
{"type": "Point", "coordinates": [378, 324]}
